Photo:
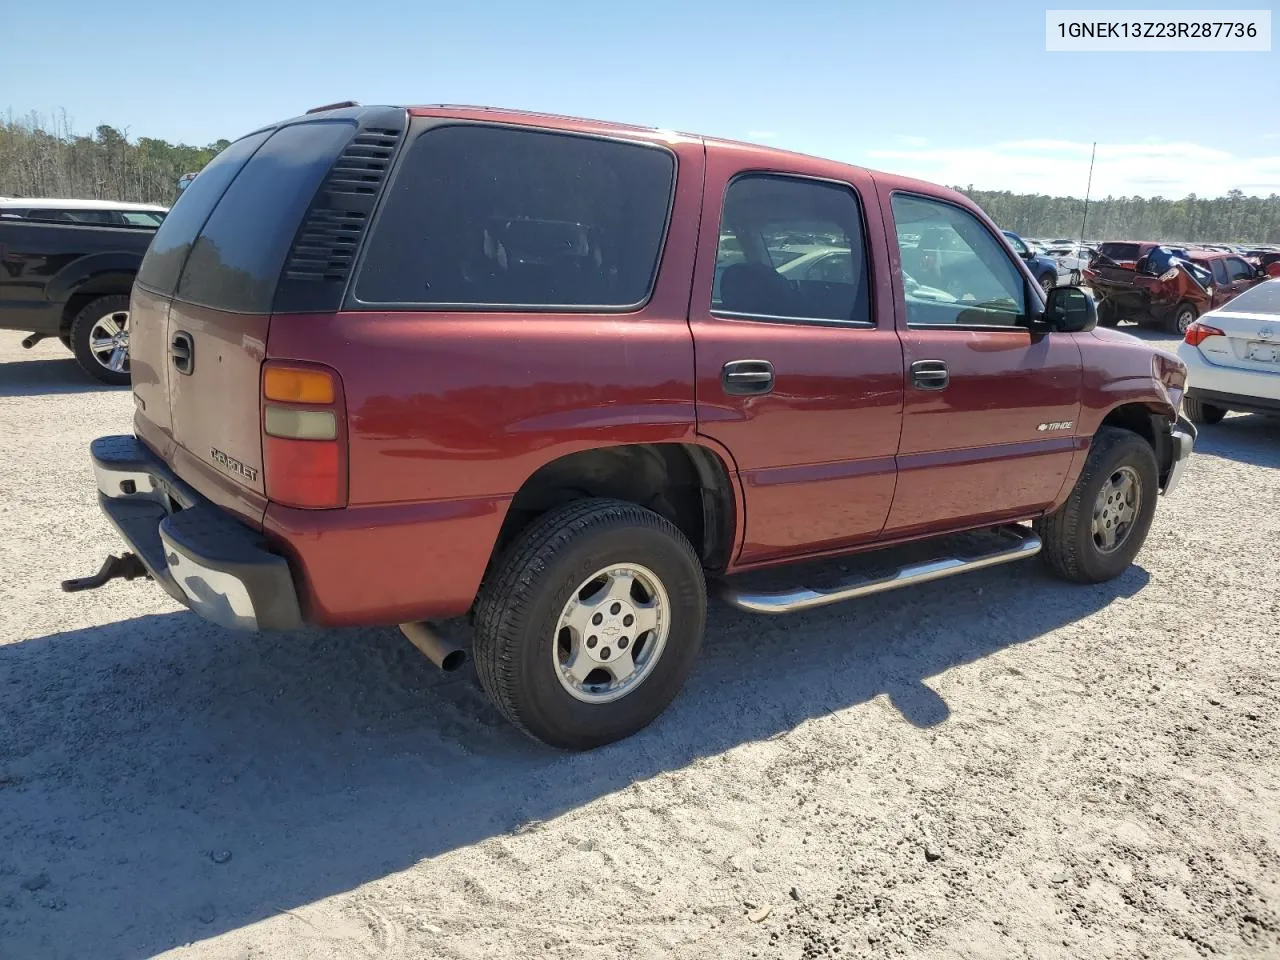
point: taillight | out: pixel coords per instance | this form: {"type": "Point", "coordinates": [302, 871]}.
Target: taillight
{"type": "Point", "coordinates": [304, 448]}
{"type": "Point", "coordinates": [1199, 332]}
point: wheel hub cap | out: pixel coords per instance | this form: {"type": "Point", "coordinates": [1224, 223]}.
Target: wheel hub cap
{"type": "Point", "coordinates": [1116, 509]}
{"type": "Point", "coordinates": [611, 633]}
{"type": "Point", "coordinates": [109, 341]}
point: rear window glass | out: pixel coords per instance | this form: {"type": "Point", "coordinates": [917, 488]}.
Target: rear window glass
{"type": "Point", "coordinates": [1264, 298]}
{"type": "Point", "coordinates": [169, 248]}
{"type": "Point", "coordinates": [236, 261]}
{"type": "Point", "coordinates": [142, 218]}
{"type": "Point", "coordinates": [1119, 251]}
{"type": "Point", "coordinates": [495, 216]}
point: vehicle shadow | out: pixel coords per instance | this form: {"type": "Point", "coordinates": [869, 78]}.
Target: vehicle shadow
{"type": "Point", "coordinates": [163, 781]}
{"type": "Point", "coordinates": [1155, 335]}
{"type": "Point", "coordinates": [1247, 438]}
{"type": "Point", "coordinates": [25, 378]}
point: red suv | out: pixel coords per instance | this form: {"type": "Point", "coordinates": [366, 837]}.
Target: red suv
{"type": "Point", "coordinates": [393, 365]}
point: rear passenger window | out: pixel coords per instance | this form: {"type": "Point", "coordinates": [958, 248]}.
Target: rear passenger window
{"type": "Point", "coordinates": [954, 272]}
{"type": "Point", "coordinates": [236, 261]}
{"type": "Point", "coordinates": [171, 244]}
{"type": "Point", "coordinates": [791, 249]}
{"type": "Point", "coordinates": [492, 216]}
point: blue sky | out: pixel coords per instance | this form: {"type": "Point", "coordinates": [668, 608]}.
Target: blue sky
{"type": "Point", "coordinates": [957, 92]}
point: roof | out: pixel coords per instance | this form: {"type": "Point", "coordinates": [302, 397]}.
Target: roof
{"type": "Point", "coordinates": [606, 128]}
{"type": "Point", "coordinates": [23, 203]}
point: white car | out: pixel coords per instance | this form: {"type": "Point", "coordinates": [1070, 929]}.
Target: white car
{"type": "Point", "coordinates": [1072, 259]}
{"type": "Point", "coordinates": [1233, 357]}
{"type": "Point", "coordinates": [107, 213]}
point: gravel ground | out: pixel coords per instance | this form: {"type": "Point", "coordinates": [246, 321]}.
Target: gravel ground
{"type": "Point", "coordinates": [998, 765]}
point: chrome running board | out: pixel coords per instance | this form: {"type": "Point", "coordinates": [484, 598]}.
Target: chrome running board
{"type": "Point", "coordinates": [1025, 544]}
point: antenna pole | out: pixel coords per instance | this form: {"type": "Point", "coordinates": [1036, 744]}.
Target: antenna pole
{"type": "Point", "coordinates": [1085, 219]}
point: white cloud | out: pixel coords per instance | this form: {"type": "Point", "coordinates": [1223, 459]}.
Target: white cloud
{"type": "Point", "coordinates": [1061, 168]}
{"type": "Point", "coordinates": [762, 135]}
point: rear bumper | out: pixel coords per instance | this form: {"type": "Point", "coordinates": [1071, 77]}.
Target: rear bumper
{"type": "Point", "coordinates": [1182, 437]}
{"type": "Point", "coordinates": [201, 555]}
{"type": "Point", "coordinates": [1236, 401]}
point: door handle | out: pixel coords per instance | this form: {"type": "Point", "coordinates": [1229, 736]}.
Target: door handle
{"type": "Point", "coordinates": [930, 375]}
{"type": "Point", "coordinates": [183, 351]}
{"type": "Point", "coordinates": [747, 378]}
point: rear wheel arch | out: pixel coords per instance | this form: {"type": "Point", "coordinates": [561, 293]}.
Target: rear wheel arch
{"type": "Point", "coordinates": [90, 289]}
{"type": "Point", "coordinates": [688, 484]}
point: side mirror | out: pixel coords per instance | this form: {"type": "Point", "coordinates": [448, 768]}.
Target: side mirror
{"type": "Point", "coordinates": [1070, 310]}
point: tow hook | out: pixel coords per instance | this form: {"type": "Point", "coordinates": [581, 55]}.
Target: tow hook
{"type": "Point", "coordinates": [127, 567]}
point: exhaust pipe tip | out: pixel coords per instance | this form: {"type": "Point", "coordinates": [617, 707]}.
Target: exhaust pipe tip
{"type": "Point", "coordinates": [452, 660]}
{"type": "Point", "coordinates": [443, 653]}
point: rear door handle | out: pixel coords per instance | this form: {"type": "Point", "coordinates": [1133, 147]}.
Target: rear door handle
{"type": "Point", "coordinates": [183, 351]}
{"type": "Point", "coordinates": [930, 375]}
{"type": "Point", "coordinates": [747, 378]}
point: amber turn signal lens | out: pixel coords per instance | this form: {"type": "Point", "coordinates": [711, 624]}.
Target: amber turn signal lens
{"type": "Point", "coordinates": [292, 385]}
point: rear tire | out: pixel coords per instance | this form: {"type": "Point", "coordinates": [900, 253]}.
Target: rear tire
{"type": "Point", "coordinates": [525, 653]}
{"type": "Point", "coordinates": [92, 327]}
{"type": "Point", "coordinates": [1199, 412]}
{"type": "Point", "coordinates": [1048, 281]}
{"type": "Point", "coordinates": [1183, 316]}
{"type": "Point", "coordinates": [1074, 536]}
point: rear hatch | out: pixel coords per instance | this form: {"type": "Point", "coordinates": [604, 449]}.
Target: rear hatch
{"type": "Point", "coordinates": [265, 228]}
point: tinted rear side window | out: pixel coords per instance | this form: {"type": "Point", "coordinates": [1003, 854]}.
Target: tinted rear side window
{"type": "Point", "coordinates": [169, 248]}
{"type": "Point", "coordinates": [482, 215]}
{"type": "Point", "coordinates": [236, 261]}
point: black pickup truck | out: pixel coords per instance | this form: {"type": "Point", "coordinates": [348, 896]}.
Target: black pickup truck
{"type": "Point", "coordinates": [71, 280]}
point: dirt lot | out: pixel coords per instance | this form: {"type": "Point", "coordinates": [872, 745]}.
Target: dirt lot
{"type": "Point", "coordinates": [998, 765]}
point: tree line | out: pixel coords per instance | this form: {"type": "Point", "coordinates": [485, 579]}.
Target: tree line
{"type": "Point", "coordinates": [1234, 218]}
{"type": "Point", "coordinates": [45, 157]}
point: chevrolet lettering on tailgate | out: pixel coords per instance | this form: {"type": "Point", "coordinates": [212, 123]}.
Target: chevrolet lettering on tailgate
{"type": "Point", "coordinates": [232, 465]}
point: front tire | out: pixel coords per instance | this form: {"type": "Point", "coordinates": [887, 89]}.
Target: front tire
{"type": "Point", "coordinates": [1095, 535]}
{"type": "Point", "coordinates": [1048, 281]}
{"type": "Point", "coordinates": [589, 624]}
{"type": "Point", "coordinates": [1200, 413]}
{"type": "Point", "coordinates": [100, 339]}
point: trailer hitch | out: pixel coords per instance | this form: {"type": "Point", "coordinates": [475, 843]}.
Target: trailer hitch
{"type": "Point", "coordinates": [127, 567]}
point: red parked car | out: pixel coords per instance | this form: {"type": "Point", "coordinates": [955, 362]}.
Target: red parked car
{"type": "Point", "coordinates": [1172, 298]}
{"type": "Point", "coordinates": [393, 365]}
